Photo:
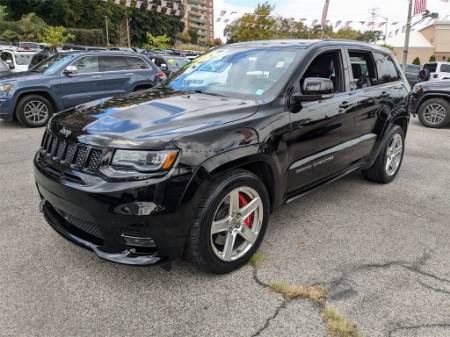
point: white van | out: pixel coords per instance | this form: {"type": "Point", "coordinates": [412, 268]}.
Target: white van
{"type": "Point", "coordinates": [17, 60]}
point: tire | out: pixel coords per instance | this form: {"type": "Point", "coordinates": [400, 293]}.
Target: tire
{"type": "Point", "coordinates": [435, 113]}
{"type": "Point", "coordinates": [380, 172]}
{"type": "Point", "coordinates": [208, 250]}
{"type": "Point", "coordinates": [34, 111]}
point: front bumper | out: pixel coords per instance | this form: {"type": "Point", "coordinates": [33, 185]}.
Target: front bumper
{"type": "Point", "coordinates": [100, 222]}
{"type": "Point", "coordinates": [6, 108]}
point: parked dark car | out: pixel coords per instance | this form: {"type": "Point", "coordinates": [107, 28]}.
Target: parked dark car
{"type": "Point", "coordinates": [196, 165]}
{"type": "Point", "coordinates": [431, 102]}
{"type": "Point", "coordinates": [412, 73]}
{"type": "Point", "coordinates": [41, 56]}
{"type": "Point", "coordinates": [169, 64]}
{"type": "Point", "coordinates": [68, 79]}
{"type": "Point", "coordinates": [4, 68]}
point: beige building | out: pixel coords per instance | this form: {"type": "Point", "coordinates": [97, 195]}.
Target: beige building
{"type": "Point", "coordinates": [425, 42]}
{"type": "Point", "coordinates": [200, 17]}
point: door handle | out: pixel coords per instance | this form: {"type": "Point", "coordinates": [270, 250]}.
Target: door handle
{"type": "Point", "coordinates": [346, 105]}
{"type": "Point", "coordinates": [97, 76]}
{"type": "Point", "coordinates": [130, 74]}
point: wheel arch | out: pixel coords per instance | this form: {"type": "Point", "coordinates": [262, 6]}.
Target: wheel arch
{"type": "Point", "coordinates": [43, 93]}
{"type": "Point", "coordinates": [427, 97]}
{"type": "Point", "coordinates": [264, 166]}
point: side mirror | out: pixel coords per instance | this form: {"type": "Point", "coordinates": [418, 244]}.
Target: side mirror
{"type": "Point", "coordinates": [10, 64]}
{"type": "Point", "coordinates": [71, 70]}
{"type": "Point", "coordinates": [164, 67]}
{"type": "Point", "coordinates": [317, 88]}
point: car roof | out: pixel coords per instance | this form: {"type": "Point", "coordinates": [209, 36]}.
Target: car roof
{"type": "Point", "coordinates": [304, 44]}
{"type": "Point", "coordinates": [103, 53]}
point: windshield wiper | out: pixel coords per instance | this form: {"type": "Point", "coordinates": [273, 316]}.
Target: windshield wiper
{"type": "Point", "coordinates": [209, 93]}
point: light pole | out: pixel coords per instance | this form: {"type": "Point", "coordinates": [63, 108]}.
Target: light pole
{"type": "Point", "coordinates": [407, 35]}
{"type": "Point", "coordinates": [107, 31]}
{"type": "Point", "coordinates": [409, 25]}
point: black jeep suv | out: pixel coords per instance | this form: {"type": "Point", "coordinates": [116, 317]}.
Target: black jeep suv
{"type": "Point", "coordinates": [195, 166]}
{"type": "Point", "coordinates": [431, 101]}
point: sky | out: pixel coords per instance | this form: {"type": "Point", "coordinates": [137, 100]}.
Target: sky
{"type": "Point", "coordinates": [345, 10]}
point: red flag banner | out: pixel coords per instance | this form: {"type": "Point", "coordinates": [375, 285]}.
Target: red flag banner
{"type": "Point", "coordinates": [420, 7]}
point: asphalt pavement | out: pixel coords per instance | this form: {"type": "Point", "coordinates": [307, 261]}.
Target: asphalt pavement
{"type": "Point", "coordinates": [381, 251]}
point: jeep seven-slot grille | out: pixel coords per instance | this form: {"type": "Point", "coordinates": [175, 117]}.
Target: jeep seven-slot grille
{"type": "Point", "coordinates": [66, 152]}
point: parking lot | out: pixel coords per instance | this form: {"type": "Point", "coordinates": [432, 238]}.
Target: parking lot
{"type": "Point", "coordinates": [381, 251]}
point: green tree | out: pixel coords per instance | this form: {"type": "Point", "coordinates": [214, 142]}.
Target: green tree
{"type": "Point", "coordinates": [416, 61]}
{"type": "Point", "coordinates": [161, 41]}
{"type": "Point", "coordinates": [55, 36]}
{"type": "Point", "coordinates": [347, 33]}
{"type": "Point", "coordinates": [433, 58]}
{"type": "Point", "coordinates": [448, 59]}
{"type": "Point", "coordinates": [258, 25]}
{"type": "Point", "coordinates": [193, 33]}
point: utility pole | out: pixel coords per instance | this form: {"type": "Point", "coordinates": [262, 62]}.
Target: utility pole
{"type": "Point", "coordinates": [407, 35]}
{"type": "Point", "coordinates": [107, 31]}
{"type": "Point", "coordinates": [128, 30]}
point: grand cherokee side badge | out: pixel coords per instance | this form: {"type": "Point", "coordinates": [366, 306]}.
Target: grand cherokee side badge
{"type": "Point", "coordinates": [65, 132]}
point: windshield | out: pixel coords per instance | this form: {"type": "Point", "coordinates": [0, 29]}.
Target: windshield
{"type": "Point", "coordinates": [23, 59]}
{"type": "Point", "coordinates": [176, 63]}
{"type": "Point", "coordinates": [236, 72]}
{"type": "Point", "coordinates": [53, 63]}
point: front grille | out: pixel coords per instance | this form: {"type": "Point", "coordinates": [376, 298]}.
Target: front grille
{"type": "Point", "coordinates": [84, 226]}
{"type": "Point", "coordinates": [68, 153]}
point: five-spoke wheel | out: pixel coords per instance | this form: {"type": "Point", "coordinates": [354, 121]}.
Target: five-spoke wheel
{"type": "Point", "coordinates": [230, 221]}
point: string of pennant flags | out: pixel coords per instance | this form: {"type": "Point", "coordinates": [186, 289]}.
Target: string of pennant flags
{"type": "Point", "coordinates": [167, 7]}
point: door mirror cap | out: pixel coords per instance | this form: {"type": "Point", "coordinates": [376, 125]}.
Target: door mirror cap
{"type": "Point", "coordinates": [163, 66]}
{"type": "Point", "coordinates": [71, 70]}
{"type": "Point", "coordinates": [314, 89]}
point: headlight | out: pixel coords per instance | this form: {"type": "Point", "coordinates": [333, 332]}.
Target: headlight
{"type": "Point", "coordinates": [145, 161]}
{"type": "Point", "coordinates": [5, 87]}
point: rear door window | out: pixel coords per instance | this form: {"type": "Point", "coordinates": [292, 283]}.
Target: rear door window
{"type": "Point", "coordinates": [387, 70]}
{"type": "Point", "coordinates": [136, 63]}
{"type": "Point", "coordinates": [113, 63]}
{"type": "Point", "coordinates": [363, 70]}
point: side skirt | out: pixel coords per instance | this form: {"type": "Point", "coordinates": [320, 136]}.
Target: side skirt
{"type": "Point", "coordinates": [326, 182]}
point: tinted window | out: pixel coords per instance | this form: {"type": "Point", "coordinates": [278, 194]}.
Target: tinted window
{"type": "Point", "coordinates": [136, 63]}
{"type": "Point", "coordinates": [158, 61]}
{"type": "Point", "coordinates": [86, 65]}
{"type": "Point", "coordinates": [327, 65]}
{"type": "Point", "coordinates": [113, 63]}
{"type": "Point", "coordinates": [445, 68]}
{"type": "Point", "coordinates": [432, 67]}
{"type": "Point", "coordinates": [363, 70]}
{"type": "Point", "coordinates": [387, 71]}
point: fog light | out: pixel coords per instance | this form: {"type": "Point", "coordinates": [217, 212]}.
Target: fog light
{"type": "Point", "coordinates": [138, 241]}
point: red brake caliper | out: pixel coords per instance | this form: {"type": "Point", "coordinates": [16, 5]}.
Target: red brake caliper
{"type": "Point", "coordinates": [242, 202]}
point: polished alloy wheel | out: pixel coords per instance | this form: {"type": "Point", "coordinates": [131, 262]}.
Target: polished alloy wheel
{"type": "Point", "coordinates": [35, 112]}
{"type": "Point", "coordinates": [394, 154]}
{"type": "Point", "coordinates": [237, 224]}
{"type": "Point", "coordinates": [434, 114]}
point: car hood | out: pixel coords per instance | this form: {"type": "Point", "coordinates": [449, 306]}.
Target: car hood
{"type": "Point", "coordinates": [149, 119]}
{"type": "Point", "coordinates": [28, 75]}
{"type": "Point", "coordinates": [443, 85]}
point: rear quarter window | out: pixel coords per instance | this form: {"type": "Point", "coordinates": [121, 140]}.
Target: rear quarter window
{"type": "Point", "coordinates": [432, 67]}
{"type": "Point", "coordinates": [387, 70]}
{"type": "Point", "coordinates": [445, 68]}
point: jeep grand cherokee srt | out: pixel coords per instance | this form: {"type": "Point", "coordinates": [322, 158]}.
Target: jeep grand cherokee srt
{"type": "Point", "coordinates": [195, 166]}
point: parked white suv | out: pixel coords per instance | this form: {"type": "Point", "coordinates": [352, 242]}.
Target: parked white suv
{"type": "Point", "coordinates": [435, 71]}
{"type": "Point", "coordinates": [17, 60]}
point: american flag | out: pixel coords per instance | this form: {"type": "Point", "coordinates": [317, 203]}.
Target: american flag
{"type": "Point", "coordinates": [325, 13]}
{"type": "Point", "coordinates": [420, 7]}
